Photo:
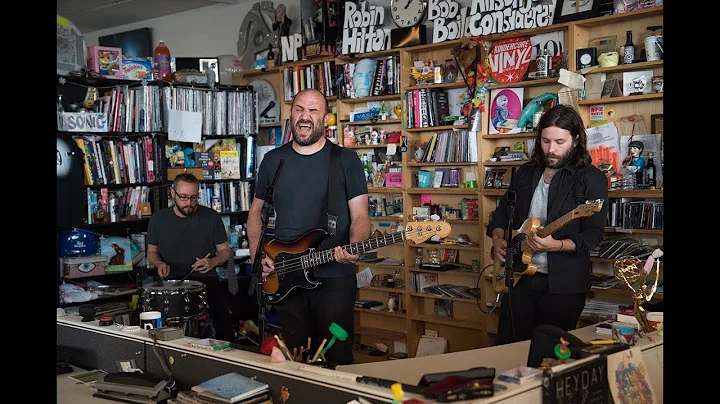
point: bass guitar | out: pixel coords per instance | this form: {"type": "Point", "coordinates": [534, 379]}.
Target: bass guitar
{"type": "Point", "coordinates": [522, 253]}
{"type": "Point", "coordinates": [294, 260]}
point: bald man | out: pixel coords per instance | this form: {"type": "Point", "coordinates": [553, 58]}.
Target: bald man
{"type": "Point", "coordinates": [301, 204]}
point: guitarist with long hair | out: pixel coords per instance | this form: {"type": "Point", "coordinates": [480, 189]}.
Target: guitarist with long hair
{"type": "Point", "coordinates": [558, 178]}
{"type": "Point", "coordinates": [301, 198]}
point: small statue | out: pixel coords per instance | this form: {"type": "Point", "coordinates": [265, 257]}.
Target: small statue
{"type": "Point", "coordinates": [259, 62]}
{"type": "Point", "coordinates": [270, 56]}
{"type": "Point", "coordinates": [282, 23]}
{"type": "Point", "coordinates": [391, 304]}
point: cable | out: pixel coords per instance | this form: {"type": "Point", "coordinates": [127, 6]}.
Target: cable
{"type": "Point", "coordinates": [477, 286]}
{"type": "Point", "coordinates": [159, 354]}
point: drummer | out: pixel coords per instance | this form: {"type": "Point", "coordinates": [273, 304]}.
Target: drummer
{"type": "Point", "coordinates": [188, 237]}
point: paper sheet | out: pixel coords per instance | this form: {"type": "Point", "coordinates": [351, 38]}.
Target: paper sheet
{"type": "Point", "coordinates": [185, 126]}
{"type": "Point", "coordinates": [364, 277]}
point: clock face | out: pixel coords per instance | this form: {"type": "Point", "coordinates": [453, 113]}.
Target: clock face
{"type": "Point", "coordinates": [585, 59]}
{"type": "Point", "coordinates": [407, 13]}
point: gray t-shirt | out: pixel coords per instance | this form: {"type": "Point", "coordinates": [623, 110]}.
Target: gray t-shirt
{"type": "Point", "coordinates": [183, 239]}
{"type": "Point", "coordinates": [299, 198]}
{"type": "Point", "coordinates": [538, 210]}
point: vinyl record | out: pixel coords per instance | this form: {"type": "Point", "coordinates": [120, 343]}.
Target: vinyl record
{"type": "Point", "coordinates": [268, 105]}
{"type": "Point", "coordinates": [71, 47]}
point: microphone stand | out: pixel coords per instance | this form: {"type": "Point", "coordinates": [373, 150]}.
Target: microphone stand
{"type": "Point", "coordinates": [508, 234]}
{"type": "Point", "coordinates": [256, 276]}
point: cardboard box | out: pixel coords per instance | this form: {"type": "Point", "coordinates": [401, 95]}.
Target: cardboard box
{"type": "Point", "coordinates": [83, 267]}
{"type": "Point", "coordinates": [106, 61]}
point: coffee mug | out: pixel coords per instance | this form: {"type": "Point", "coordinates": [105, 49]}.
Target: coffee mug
{"type": "Point", "coordinates": [150, 320]}
{"type": "Point", "coordinates": [654, 47]}
{"type": "Point", "coordinates": [608, 59]}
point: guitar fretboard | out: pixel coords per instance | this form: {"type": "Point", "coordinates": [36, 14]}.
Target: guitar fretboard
{"type": "Point", "coordinates": [557, 224]}
{"type": "Point", "coordinates": [325, 256]}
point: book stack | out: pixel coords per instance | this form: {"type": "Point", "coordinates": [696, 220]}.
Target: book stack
{"type": "Point", "coordinates": [229, 388]}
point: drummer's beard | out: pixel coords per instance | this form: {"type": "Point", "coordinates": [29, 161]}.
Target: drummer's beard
{"type": "Point", "coordinates": [186, 210]}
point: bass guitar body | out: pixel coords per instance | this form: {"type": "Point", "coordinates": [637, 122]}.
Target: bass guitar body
{"type": "Point", "coordinates": [521, 257]}
{"type": "Point", "coordinates": [288, 255]}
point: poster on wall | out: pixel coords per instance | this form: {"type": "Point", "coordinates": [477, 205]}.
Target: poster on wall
{"type": "Point", "coordinates": [509, 59]}
{"type": "Point", "coordinates": [506, 105]}
{"type": "Point", "coordinates": [268, 105]}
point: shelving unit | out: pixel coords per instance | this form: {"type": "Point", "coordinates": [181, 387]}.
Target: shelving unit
{"type": "Point", "coordinates": [471, 326]}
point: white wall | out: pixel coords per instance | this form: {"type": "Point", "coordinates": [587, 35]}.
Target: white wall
{"type": "Point", "coordinates": [208, 31]}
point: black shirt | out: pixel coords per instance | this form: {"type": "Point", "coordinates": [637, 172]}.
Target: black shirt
{"type": "Point", "coordinates": [568, 272]}
{"type": "Point", "coordinates": [181, 240]}
{"type": "Point", "coordinates": [300, 196]}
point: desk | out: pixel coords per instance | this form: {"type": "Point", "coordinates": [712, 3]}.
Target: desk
{"type": "Point", "coordinates": [501, 357]}
{"type": "Point", "coordinates": [71, 392]}
{"type": "Point", "coordinates": [104, 345]}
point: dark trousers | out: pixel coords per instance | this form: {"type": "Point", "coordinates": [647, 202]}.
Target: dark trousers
{"type": "Point", "coordinates": [226, 309]}
{"type": "Point", "coordinates": [530, 303]}
{"type": "Point", "coordinates": [309, 313]}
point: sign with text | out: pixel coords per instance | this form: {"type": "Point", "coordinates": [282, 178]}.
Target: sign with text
{"type": "Point", "coordinates": [291, 47]}
{"type": "Point", "coordinates": [84, 122]}
{"type": "Point", "coordinates": [360, 29]}
{"type": "Point", "coordinates": [509, 59]}
{"type": "Point", "coordinates": [485, 17]}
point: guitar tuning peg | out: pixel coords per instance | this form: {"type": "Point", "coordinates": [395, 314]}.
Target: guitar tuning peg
{"type": "Point", "coordinates": [435, 218]}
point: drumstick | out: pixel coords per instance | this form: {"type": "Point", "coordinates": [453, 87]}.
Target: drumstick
{"type": "Point", "coordinates": [295, 358]}
{"type": "Point", "coordinates": [191, 271]}
{"type": "Point", "coordinates": [317, 353]}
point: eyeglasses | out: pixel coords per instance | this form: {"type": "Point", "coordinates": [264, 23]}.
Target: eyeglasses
{"type": "Point", "coordinates": [186, 198]}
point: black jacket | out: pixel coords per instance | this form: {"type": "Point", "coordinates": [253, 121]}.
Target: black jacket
{"type": "Point", "coordinates": [570, 187]}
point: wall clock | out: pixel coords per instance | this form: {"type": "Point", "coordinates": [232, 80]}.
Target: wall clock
{"type": "Point", "coordinates": [407, 13]}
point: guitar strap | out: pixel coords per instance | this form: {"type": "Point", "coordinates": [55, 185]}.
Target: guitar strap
{"type": "Point", "coordinates": [335, 196]}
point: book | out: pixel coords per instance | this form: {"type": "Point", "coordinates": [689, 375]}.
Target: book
{"type": "Point", "coordinates": [520, 374]}
{"type": "Point", "coordinates": [211, 344]}
{"type": "Point", "coordinates": [230, 388]}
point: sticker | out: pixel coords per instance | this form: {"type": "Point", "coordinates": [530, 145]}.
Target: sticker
{"type": "Point", "coordinates": [284, 394]}
{"type": "Point", "coordinates": [332, 224]}
{"type": "Point", "coordinates": [62, 21]}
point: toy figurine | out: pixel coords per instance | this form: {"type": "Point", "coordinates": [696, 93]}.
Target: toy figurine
{"type": "Point", "coordinates": [259, 62]}
{"type": "Point", "coordinates": [270, 56]}
{"type": "Point", "coordinates": [282, 23]}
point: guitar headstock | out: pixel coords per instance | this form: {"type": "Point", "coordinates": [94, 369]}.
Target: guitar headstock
{"type": "Point", "coordinates": [420, 232]}
{"type": "Point", "coordinates": [588, 208]}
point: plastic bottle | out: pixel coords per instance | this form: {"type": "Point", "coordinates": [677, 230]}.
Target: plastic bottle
{"type": "Point", "coordinates": [234, 237]}
{"type": "Point", "coordinates": [161, 57]}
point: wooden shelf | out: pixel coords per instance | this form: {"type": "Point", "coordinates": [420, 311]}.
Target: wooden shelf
{"type": "Point", "coordinates": [504, 163]}
{"type": "Point", "coordinates": [381, 333]}
{"type": "Point", "coordinates": [616, 100]}
{"type": "Point", "coordinates": [436, 297]}
{"type": "Point", "coordinates": [435, 128]}
{"type": "Point", "coordinates": [526, 83]}
{"type": "Point", "coordinates": [383, 312]}
{"type": "Point", "coordinates": [493, 192]}
{"type": "Point", "coordinates": [455, 84]}
{"type": "Point", "coordinates": [357, 56]}
{"type": "Point", "coordinates": [626, 68]}
{"type": "Point", "coordinates": [450, 321]}
{"type": "Point", "coordinates": [443, 191]}
{"type": "Point", "coordinates": [636, 193]}
{"type": "Point", "coordinates": [521, 135]}
{"type": "Point", "coordinates": [447, 246]}
{"type": "Point", "coordinates": [270, 125]}
{"type": "Point", "coordinates": [261, 72]}
{"type": "Point", "coordinates": [632, 231]}
{"type": "Point", "coordinates": [377, 122]}
{"type": "Point", "coordinates": [459, 164]}
{"type": "Point", "coordinates": [370, 99]}
{"type": "Point", "coordinates": [391, 190]}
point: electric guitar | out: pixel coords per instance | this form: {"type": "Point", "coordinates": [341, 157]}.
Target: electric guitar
{"type": "Point", "coordinates": [522, 253]}
{"type": "Point", "coordinates": [295, 259]}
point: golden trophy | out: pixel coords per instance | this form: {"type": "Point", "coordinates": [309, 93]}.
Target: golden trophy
{"type": "Point", "coordinates": [629, 270]}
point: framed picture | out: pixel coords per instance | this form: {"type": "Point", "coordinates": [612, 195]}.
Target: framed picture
{"type": "Point", "coordinates": [573, 10]}
{"type": "Point", "coordinates": [656, 123]}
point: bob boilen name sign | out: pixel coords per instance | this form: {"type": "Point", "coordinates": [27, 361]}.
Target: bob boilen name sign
{"type": "Point", "coordinates": [360, 29]}
{"type": "Point", "coordinates": [485, 17]}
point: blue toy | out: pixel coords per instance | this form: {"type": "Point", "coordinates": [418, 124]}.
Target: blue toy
{"type": "Point", "coordinates": [189, 157]}
{"type": "Point", "coordinates": [534, 106]}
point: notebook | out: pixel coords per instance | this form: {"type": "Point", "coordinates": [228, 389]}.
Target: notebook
{"type": "Point", "coordinates": [232, 387]}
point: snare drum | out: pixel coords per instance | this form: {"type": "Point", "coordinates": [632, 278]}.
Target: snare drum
{"type": "Point", "coordinates": [177, 301]}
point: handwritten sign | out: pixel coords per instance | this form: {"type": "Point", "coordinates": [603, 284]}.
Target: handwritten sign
{"type": "Point", "coordinates": [84, 122]}
{"type": "Point", "coordinates": [450, 21]}
{"type": "Point", "coordinates": [185, 126]}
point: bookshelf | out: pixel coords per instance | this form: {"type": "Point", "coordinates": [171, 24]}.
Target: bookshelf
{"type": "Point", "coordinates": [474, 321]}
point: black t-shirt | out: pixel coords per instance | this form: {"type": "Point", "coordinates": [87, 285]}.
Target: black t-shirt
{"type": "Point", "coordinates": [183, 239]}
{"type": "Point", "coordinates": [299, 199]}
{"type": "Point", "coordinates": [70, 182]}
